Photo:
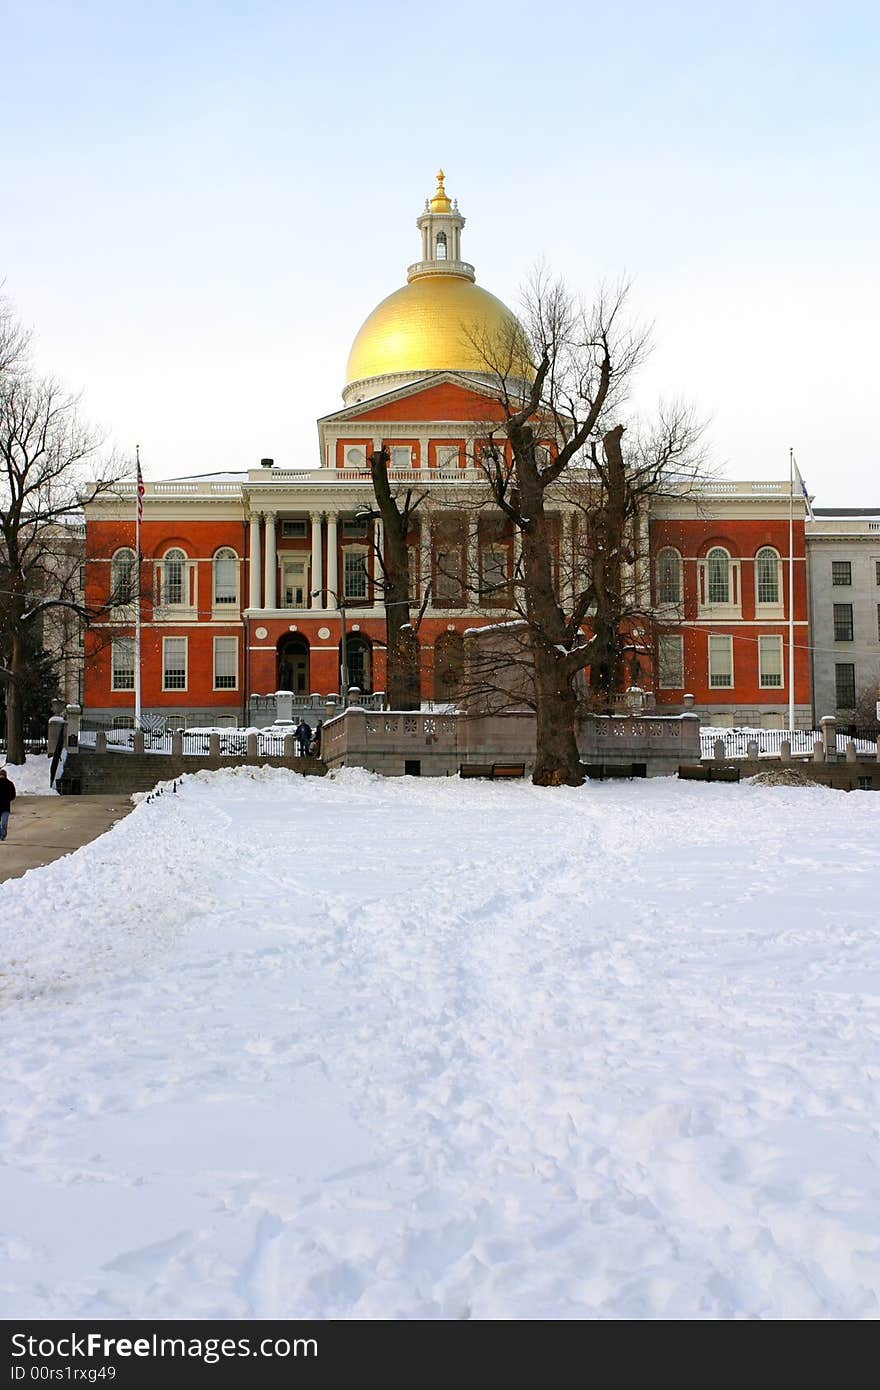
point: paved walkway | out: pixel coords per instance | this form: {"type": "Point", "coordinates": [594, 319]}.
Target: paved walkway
{"type": "Point", "coordinates": [43, 828]}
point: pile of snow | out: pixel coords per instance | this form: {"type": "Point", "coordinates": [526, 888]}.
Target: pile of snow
{"type": "Point", "coordinates": [280, 1046]}
{"type": "Point", "coordinates": [32, 777]}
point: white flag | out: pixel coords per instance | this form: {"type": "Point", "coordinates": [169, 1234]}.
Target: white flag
{"type": "Point", "coordinates": [803, 487]}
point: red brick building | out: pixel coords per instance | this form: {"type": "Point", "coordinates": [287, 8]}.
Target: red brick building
{"type": "Point", "coordinates": [245, 576]}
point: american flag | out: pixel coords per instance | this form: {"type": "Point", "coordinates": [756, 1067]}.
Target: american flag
{"type": "Point", "coordinates": [140, 490]}
{"type": "Point", "coordinates": [803, 487]}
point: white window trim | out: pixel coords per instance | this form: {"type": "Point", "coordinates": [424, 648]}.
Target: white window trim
{"type": "Point", "coordinates": [668, 604]}
{"type": "Point", "coordinates": [442, 602]}
{"type": "Point", "coordinates": [124, 612]}
{"type": "Point", "coordinates": [123, 689]}
{"type": "Point", "coordinates": [363, 551]}
{"type": "Point", "coordinates": [408, 462]}
{"type": "Point", "coordinates": [497, 589]}
{"type": "Point", "coordinates": [189, 608]}
{"type": "Point", "coordinates": [232, 606]}
{"type": "Point", "coordinates": [668, 637]}
{"type": "Point", "coordinates": [731, 609]}
{"type": "Point", "coordinates": [298, 563]}
{"type": "Point", "coordinates": [718, 637]}
{"type": "Point", "coordinates": [775, 608]}
{"type": "Point", "coordinates": [235, 663]}
{"type": "Point", "coordinates": [765, 684]}
{"type": "Point", "coordinates": [178, 689]}
{"type": "Point", "coordinates": [440, 452]}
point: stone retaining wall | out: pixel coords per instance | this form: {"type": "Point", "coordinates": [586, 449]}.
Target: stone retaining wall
{"type": "Point", "coordinates": [438, 745]}
{"type": "Point", "coordinates": [108, 773]}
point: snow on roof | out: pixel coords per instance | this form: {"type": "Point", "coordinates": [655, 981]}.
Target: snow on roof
{"type": "Point", "coordinates": [845, 513]}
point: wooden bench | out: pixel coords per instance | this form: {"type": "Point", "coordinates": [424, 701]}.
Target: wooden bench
{"type": "Point", "coordinates": [708, 772]}
{"type": "Point", "coordinates": [493, 771]}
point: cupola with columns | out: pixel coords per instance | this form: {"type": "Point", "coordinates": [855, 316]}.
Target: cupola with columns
{"type": "Point", "coordinates": [440, 225]}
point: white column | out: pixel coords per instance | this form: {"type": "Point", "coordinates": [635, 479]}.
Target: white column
{"type": "Point", "coordinates": [566, 563]}
{"type": "Point", "coordinates": [254, 574]}
{"type": "Point", "coordinates": [332, 559]}
{"type": "Point", "coordinates": [472, 560]}
{"type": "Point", "coordinates": [379, 547]}
{"type": "Point", "coordinates": [270, 579]}
{"type": "Point", "coordinates": [316, 600]}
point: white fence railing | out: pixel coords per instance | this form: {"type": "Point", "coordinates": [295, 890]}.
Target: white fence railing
{"type": "Point", "coordinates": [769, 741]}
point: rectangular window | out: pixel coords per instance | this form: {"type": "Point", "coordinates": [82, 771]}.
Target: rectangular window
{"type": "Point", "coordinates": [355, 526]}
{"type": "Point", "coordinates": [845, 685]}
{"type": "Point", "coordinates": [297, 528]}
{"type": "Point", "coordinates": [670, 662]}
{"type": "Point", "coordinates": [447, 583]}
{"type": "Point", "coordinates": [174, 663]}
{"type": "Point", "coordinates": [493, 563]}
{"type": "Point", "coordinates": [841, 572]}
{"type": "Point", "coordinates": [354, 572]}
{"type": "Point", "coordinates": [225, 663]}
{"type": "Point", "coordinates": [122, 665]}
{"type": "Point", "coordinates": [721, 662]}
{"type": "Point", "coordinates": [770, 662]}
{"type": "Point", "coordinates": [294, 574]}
{"type": "Point", "coordinates": [877, 570]}
{"type": "Point", "coordinates": [401, 456]}
{"type": "Point", "coordinates": [448, 455]}
{"type": "Point", "coordinates": [843, 622]}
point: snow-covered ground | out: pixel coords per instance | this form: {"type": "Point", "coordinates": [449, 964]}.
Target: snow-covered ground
{"type": "Point", "coordinates": [31, 778]}
{"type": "Point", "coordinates": [282, 1046]}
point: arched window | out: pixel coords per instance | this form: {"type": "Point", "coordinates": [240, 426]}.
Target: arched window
{"type": "Point", "coordinates": [441, 246]}
{"type": "Point", "coordinates": [123, 576]}
{"type": "Point", "coordinates": [173, 571]}
{"type": "Point", "coordinates": [359, 663]}
{"type": "Point", "coordinates": [767, 575]}
{"type": "Point", "coordinates": [718, 575]}
{"type": "Point", "coordinates": [669, 576]}
{"type": "Point", "coordinates": [225, 577]}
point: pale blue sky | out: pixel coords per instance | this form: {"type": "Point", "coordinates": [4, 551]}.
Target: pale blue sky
{"type": "Point", "coordinates": [203, 202]}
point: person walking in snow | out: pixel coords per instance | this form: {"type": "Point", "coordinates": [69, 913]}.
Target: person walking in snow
{"type": "Point", "coordinates": [315, 746]}
{"type": "Point", "coordinates": [303, 733]}
{"type": "Point", "coordinates": [7, 796]}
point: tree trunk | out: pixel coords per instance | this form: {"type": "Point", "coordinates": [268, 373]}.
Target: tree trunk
{"type": "Point", "coordinates": [557, 761]}
{"type": "Point", "coordinates": [403, 685]}
{"type": "Point", "coordinates": [14, 721]}
{"type": "Point", "coordinates": [608, 574]}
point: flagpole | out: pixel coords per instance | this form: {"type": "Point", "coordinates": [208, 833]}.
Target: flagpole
{"type": "Point", "coordinates": [137, 597]}
{"type": "Point", "coordinates": [791, 591]}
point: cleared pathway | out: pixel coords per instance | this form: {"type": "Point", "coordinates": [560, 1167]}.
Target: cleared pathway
{"type": "Point", "coordinates": [43, 828]}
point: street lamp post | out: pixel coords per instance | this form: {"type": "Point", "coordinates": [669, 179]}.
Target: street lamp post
{"type": "Point", "coordinates": [343, 647]}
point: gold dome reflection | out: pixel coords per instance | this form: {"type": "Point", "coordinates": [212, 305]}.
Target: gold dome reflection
{"type": "Point", "coordinates": [435, 323]}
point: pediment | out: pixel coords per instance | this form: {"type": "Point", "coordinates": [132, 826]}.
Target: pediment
{"type": "Point", "coordinates": [439, 396]}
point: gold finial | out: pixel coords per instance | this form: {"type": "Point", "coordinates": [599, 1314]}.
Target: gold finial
{"type": "Point", "coordinates": [440, 201]}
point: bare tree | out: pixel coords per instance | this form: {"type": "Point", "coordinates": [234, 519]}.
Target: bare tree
{"type": "Point", "coordinates": [50, 468]}
{"type": "Point", "coordinates": [14, 340]}
{"type": "Point", "coordinates": [397, 509]}
{"type": "Point", "coordinates": [566, 441]}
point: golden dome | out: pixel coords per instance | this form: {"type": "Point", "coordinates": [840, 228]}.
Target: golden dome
{"type": "Point", "coordinates": [428, 326]}
{"type": "Point", "coordinates": [440, 201]}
